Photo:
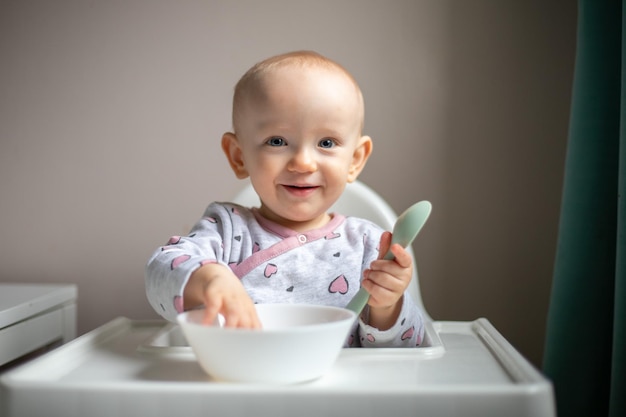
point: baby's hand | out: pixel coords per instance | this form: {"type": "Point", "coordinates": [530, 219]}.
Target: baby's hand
{"type": "Point", "coordinates": [221, 292]}
{"type": "Point", "coordinates": [386, 281]}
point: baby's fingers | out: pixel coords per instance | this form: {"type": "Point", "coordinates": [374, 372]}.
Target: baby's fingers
{"type": "Point", "coordinates": [241, 316]}
{"type": "Point", "coordinates": [385, 243]}
{"type": "Point", "coordinates": [210, 313]}
{"type": "Point", "coordinates": [402, 256]}
{"type": "Point", "coordinates": [382, 282]}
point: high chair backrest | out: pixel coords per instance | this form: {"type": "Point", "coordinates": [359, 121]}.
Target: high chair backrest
{"type": "Point", "coordinates": [358, 200]}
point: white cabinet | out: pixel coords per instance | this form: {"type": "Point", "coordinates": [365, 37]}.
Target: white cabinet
{"type": "Point", "coordinates": [33, 316]}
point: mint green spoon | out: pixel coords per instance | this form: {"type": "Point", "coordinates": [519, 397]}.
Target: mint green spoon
{"type": "Point", "coordinates": [405, 230]}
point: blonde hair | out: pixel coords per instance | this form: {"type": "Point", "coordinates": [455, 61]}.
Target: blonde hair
{"type": "Point", "coordinates": [251, 82]}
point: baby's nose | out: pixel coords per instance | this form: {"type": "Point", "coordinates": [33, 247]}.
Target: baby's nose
{"type": "Point", "coordinates": [303, 161]}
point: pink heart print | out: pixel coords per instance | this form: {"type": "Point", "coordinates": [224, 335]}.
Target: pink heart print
{"type": "Point", "coordinates": [174, 240]}
{"type": "Point", "coordinates": [179, 260]}
{"type": "Point", "coordinates": [178, 304]}
{"type": "Point", "coordinates": [339, 285]}
{"type": "Point", "coordinates": [408, 334]}
{"type": "Point", "coordinates": [270, 270]}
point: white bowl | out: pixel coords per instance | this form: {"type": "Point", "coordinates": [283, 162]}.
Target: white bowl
{"type": "Point", "coordinates": [297, 343]}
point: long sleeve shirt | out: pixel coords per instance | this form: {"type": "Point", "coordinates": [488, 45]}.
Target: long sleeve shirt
{"type": "Point", "coordinates": [279, 265]}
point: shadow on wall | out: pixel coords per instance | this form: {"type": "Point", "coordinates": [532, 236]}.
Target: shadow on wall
{"type": "Point", "coordinates": [510, 72]}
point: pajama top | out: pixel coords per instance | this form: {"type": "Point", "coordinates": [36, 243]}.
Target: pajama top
{"type": "Point", "coordinates": [278, 265]}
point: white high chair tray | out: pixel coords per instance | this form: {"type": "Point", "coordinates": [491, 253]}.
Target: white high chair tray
{"type": "Point", "coordinates": [127, 368]}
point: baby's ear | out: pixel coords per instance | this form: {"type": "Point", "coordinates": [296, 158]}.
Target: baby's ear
{"type": "Point", "coordinates": [359, 158]}
{"type": "Point", "coordinates": [232, 150]}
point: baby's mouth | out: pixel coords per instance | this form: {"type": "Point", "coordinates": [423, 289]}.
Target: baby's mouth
{"type": "Point", "coordinates": [301, 187]}
{"type": "Point", "coordinates": [301, 190]}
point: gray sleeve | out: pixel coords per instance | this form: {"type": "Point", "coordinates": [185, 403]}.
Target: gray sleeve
{"type": "Point", "coordinates": [170, 266]}
{"type": "Point", "coordinates": [408, 331]}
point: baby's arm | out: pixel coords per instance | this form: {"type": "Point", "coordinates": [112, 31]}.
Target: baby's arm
{"type": "Point", "coordinates": [221, 291]}
{"type": "Point", "coordinates": [391, 318]}
{"type": "Point", "coordinates": [386, 281]}
{"type": "Point", "coordinates": [192, 270]}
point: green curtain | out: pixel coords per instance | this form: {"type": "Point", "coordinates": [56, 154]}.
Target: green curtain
{"type": "Point", "coordinates": [585, 352]}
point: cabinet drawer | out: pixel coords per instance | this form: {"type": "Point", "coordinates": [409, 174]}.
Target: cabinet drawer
{"type": "Point", "coordinates": [31, 334]}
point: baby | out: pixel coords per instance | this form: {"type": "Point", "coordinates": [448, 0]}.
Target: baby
{"type": "Point", "coordinates": [297, 135]}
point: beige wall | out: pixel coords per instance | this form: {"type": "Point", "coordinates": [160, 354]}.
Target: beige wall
{"type": "Point", "coordinates": [111, 112]}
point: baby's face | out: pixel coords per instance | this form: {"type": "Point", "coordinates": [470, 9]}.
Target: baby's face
{"type": "Point", "coordinates": [300, 138]}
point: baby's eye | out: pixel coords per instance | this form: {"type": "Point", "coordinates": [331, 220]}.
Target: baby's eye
{"type": "Point", "coordinates": [326, 143]}
{"type": "Point", "coordinates": [276, 141]}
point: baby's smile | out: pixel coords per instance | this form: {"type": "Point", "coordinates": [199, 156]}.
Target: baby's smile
{"type": "Point", "coordinates": [300, 190]}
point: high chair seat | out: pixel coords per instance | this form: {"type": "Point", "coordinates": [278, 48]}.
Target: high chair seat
{"type": "Point", "coordinates": [357, 200]}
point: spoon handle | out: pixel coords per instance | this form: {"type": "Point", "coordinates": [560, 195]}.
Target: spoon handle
{"type": "Point", "coordinates": [357, 304]}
